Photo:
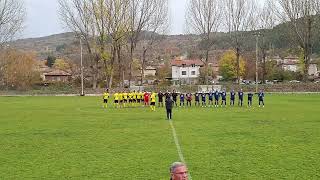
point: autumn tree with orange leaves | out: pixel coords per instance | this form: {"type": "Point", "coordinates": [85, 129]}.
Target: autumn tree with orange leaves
{"type": "Point", "coordinates": [18, 70]}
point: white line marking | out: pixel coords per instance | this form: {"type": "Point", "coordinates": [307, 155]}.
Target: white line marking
{"type": "Point", "coordinates": [175, 137]}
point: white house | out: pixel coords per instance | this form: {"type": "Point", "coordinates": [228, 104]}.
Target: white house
{"type": "Point", "coordinates": [313, 69]}
{"type": "Point", "coordinates": [295, 67]}
{"type": "Point", "coordinates": [186, 71]}
{"type": "Point", "coordinates": [292, 64]}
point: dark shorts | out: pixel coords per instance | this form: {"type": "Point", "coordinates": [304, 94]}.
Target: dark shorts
{"type": "Point", "coordinates": [134, 100]}
{"type": "Point", "coordinates": [160, 100]}
{"type": "Point", "coordinates": [121, 101]}
{"type": "Point", "coordinates": [224, 99]}
{"type": "Point", "coordinates": [210, 99]}
{"type": "Point", "coordinates": [125, 101]}
{"type": "Point", "coordinates": [105, 101]}
{"type": "Point", "coordinates": [139, 100]}
{"type": "Point", "coordinates": [116, 101]}
{"type": "Point", "coordinates": [130, 100]}
{"type": "Point", "coordinates": [152, 103]}
{"type": "Point", "coordinates": [260, 99]}
{"type": "Point", "coordinates": [197, 100]}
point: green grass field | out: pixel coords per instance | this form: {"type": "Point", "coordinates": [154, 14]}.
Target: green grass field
{"type": "Point", "coordinates": [75, 138]}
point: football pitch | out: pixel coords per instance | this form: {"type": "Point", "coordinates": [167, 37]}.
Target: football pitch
{"type": "Point", "coordinates": [75, 138]}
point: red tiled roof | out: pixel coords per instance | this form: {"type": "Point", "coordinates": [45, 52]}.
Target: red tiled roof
{"type": "Point", "coordinates": [187, 62]}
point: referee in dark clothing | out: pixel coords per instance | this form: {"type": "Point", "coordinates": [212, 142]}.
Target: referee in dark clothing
{"type": "Point", "coordinates": [169, 104]}
{"type": "Point", "coordinates": [160, 99]}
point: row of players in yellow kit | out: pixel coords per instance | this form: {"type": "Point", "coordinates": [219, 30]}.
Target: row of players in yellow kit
{"type": "Point", "coordinates": [131, 98]}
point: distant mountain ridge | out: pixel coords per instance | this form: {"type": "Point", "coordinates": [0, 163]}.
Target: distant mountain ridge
{"type": "Point", "coordinates": [184, 43]}
{"type": "Point", "coordinates": [46, 43]}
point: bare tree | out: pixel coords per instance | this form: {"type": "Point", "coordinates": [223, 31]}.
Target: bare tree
{"type": "Point", "coordinates": [104, 24]}
{"type": "Point", "coordinates": [239, 17]}
{"type": "Point", "coordinates": [317, 6]}
{"type": "Point", "coordinates": [266, 20]}
{"type": "Point", "coordinates": [12, 16]}
{"type": "Point", "coordinates": [107, 25]}
{"type": "Point", "coordinates": [300, 16]}
{"type": "Point", "coordinates": [101, 20]}
{"type": "Point", "coordinates": [77, 16]}
{"type": "Point", "coordinates": [145, 15]}
{"type": "Point", "coordinates": [118, 14]}
{"type": "Point", "coordinates": [157, 27]}
{"type": "Point", "coordinates": [203, 17]}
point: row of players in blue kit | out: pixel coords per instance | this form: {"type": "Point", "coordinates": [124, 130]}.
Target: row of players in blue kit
{"type": "Point", "coordinates": [213, 96]}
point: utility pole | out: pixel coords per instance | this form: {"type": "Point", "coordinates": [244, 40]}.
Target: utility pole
{"type": "Point", "coordinates": [81, 64]}
{"type": "Point", "coordinates": [257, 34]}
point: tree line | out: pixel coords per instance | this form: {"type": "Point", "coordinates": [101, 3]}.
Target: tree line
{"type": "Point", "coordinates": [236, 17]}
{"type": "Point", "coordinates": [111, 30]}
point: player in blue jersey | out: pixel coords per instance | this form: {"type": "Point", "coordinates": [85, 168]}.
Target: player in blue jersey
{"type": "Point", "coordinates": [232, 97]}
{"type": "Point", "coordinates": [261, 98]}
{"type": "Point", "coordinates": [197, 99]}
{"type": "Point", "coordinates": [167, 95]}
{"type": "Point", "coordinates": [224, 98]}
{"type": "Point", "coordinates": [174, 97]}
{"type": "Point", "coordinates": [182, 100]}
{"type": "Point", "coordinates": [203, 97]}
{"type": "Point", "coordinates": [250, 96]}
{"type": "Point", "coordinates": [240, 95]}
{"type": "Point", "coordinates": [216, 98]}
{"type": "Point", "coordinates": [210, 104]}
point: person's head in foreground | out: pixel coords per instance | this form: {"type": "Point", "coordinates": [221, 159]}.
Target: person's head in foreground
{"type": "Point", "coordinates": [178, 171]}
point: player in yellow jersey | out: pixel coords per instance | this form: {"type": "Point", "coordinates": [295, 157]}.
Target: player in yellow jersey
{"type": "Point", "coordinates": [125, 98]}
{"type": "Point", "coordinates": [153, 101]}
{"type": "Point", "coordinates": [130, 97]}
{"type": "Point", "coordinates": [134, 97]}
{"type": "Point", "coordinates": [141, 97]}
{"type": "Point", "coordinates": [106, 96]}
{"type": "Point", "coordinates": [138, 98]}
{"type": "Point", "coordinates": [121, 99]}
{"type": "Point", "coordinates": [116, 99]}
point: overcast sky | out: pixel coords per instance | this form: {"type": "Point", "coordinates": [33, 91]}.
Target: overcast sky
{"type": "Point", "coordinates": [42, 18]}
